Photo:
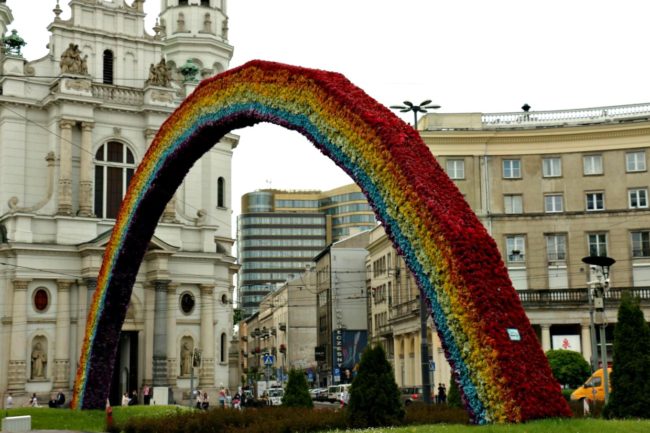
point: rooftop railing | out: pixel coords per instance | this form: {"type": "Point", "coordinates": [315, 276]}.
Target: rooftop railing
{"type": "Point", "coordinates": [574, 117]}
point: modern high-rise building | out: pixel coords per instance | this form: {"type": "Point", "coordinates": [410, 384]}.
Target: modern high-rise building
{"type": "Point", "coordinates": [280, 232]}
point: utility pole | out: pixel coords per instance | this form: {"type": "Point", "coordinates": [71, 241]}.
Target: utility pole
{"type": "Point", "coordinates": [600, 286]}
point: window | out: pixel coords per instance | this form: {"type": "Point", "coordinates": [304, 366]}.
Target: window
{"type": "Point", "coordinates": [641, 244]}
{"type": "Point", "coordinates": [635, 161]}
{"type": "Point", "coordinates": [515, 248]}
{"type": "Point", "coordinates": [597, 244]}
{"type": "Point", "coordinates": [511, 168]}
{"type": "Point", "coordinates": [592, 165]}
{"type": "Point", "coordinates": [182, 2]}
{"type": "Point", "coordinates": [223, 349]}
{"type": "Point", "coordinates": [187, 302]}
{"type": "Point", "coordinates": [41, 300]}
{"type": "Point", "coordinates": [205, 2]}
{"type": "Point", "coordinates": [108, 67]}
{"type": "Point", "coordinates": [456, 168]}
{"type": "Point", "coordinates": [553, 203]}
{"type": "Point", "coordinates": [552, 167]}
{"type": "Point", "coordinates": [638, 198]}
{"type": "Point", "coordinates": [595, 201]}
{"type": "Point", "coordinates": [513, 204]}
{"type": "Point", "coordinates": [114, 167]}
{"type": "Point", "coordinates": [556, 247]}
{"type": "Point", "coordinates": [221, 192]}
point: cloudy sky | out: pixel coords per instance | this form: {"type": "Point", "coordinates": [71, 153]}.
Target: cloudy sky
{"type": "Point", "coordinates": [466, 55]}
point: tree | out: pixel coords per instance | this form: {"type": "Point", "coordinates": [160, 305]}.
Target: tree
{"type": "Point", "coordinates": [374, 395]}
{"type": "Point", "coordinates": [453, 396]}
{"type": "Point", "coordinates": [297, 392]}
{"type": "Point", "coordinates": [630, 397]}
{"type": "Point", "coordinates": [568, 367]}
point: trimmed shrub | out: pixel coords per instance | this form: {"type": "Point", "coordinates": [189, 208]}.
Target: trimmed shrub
{"type": "Point", "coordinates": [568, 367]}
{"type": "Point", "coordinates": [630, 397]}
{"type": "Point", "coordinates": [374, 396]}
{"type": "Point", "coordinates": [453, 396]}
{"type": "Point", "coordinates": [297, 392]}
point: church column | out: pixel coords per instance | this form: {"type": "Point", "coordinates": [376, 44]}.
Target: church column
{"type": "Point", "coordinates": [159, 337]}
{"type": "Point", "coordinates": [207, 336]}
{"type": "Point", "coordinates": [91, 285]}
{"type": "Point", "coordinates": [172, 345]}
{"type": "Point", "coordinates": [169, 213]}
{"type": "Point", "coordinates": [65, 168]}
{"type": "Point", "coordinates": [18, 351]}
{"type": "Point", "coordinates": [62, 336]}
{"type": "Point", "coordinates": [86, 170]}
{"type": "Point", "coordinates": [546, 337]}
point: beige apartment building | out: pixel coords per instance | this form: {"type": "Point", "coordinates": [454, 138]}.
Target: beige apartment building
{"type": "Point", "coordinates": [285, 327]}
{"type": "Point", "coordinates": [551, 187]}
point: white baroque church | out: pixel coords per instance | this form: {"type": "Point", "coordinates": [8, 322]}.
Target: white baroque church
{"type": "Point", "coordinates": [73, 126]}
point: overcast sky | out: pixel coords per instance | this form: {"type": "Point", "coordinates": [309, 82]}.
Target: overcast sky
{"type": "Point", "coordinates": [466, 55]}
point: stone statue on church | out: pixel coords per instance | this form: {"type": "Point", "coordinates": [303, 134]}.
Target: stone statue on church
{"type": "Point", "coordinates": [71, 61]}
{"type": "Point", "coordinates": [159, 74]}
{"type": "Point", "coordinates": [39, 362]}
{"type": "Point", "coordinates": [186, 359]}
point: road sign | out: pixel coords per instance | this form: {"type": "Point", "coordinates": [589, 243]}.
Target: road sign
{"type": "Point", "coordinates": [432, 365]}
{"type": "Point", "coordinates": [268, 359]}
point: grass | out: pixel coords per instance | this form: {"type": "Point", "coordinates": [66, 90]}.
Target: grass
{"type": "Point", "coordinates": [544, 426]}
{"type": "Point", "coordinates": [44, 418]}
{"type": "Point", "coordinates": [95, 421]}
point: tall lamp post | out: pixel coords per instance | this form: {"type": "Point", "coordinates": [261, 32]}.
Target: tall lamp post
{"type": "Point", "coordinates": [424, 345]}
{"type": "Point", "coordinates": [600, 285]}
{"type": "Point", "coordinates": [421, 108]}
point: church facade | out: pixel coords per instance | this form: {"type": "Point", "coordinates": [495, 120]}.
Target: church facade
{"type": "Point", "coordinates": [73, 126]}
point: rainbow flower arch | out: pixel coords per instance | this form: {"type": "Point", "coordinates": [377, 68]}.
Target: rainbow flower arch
{"type": "Point", "coordinates": [454, 260]}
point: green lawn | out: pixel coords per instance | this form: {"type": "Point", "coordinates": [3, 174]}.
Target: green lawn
{"type": "Point", "coordinates": [545, 426]}
{"type": "Point", "coordinates": [95, 421]}
{"type": "Point", "coordinates": [44, 418]}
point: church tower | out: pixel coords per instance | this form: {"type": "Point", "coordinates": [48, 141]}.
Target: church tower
{"type": "Point", "coordinates": [196, 30]}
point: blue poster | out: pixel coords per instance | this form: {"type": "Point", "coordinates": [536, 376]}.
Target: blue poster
{"type": "Point", "coordinates": [348, 346]}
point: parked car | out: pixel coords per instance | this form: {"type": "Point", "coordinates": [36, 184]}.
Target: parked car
{"type": "Point", "coordinates": [335, 392]}
{"type": "Point", "coordinates": [275, 396]}
{"type": "Point", "coordinates": [249, 400]}
{"type": "Point", "coordinates": [411, 394]}
{"type": "Point", "coordinates": [318, 394]}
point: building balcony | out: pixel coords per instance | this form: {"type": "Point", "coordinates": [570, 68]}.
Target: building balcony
{"type": "Point", "coordinates": [577, 297]}
{"type": "Point", "coordinates": [405, 310]}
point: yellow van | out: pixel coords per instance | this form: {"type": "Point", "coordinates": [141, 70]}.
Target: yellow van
{"type": "Point", "coordinates": [593, 388]}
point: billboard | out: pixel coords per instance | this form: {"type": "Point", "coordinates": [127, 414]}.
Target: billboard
{"type": "Point", "coordinates": [348, 345]}
{"type": "Point", "coordinates": [567, 342]}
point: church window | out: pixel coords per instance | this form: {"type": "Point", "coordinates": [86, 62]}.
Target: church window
{"type": "Point", "coordinates": [108, 67]}
{"type": "Point", "coordinates": [221, 192]}
{"type": "Point", "coordinates": [187, 302]}
{"type": "Point", "coordinates": [41, 300]}
{"type": "Point", "coordinates": [114, 167]}
{"type": "Point", "coordinates": [223, 348]}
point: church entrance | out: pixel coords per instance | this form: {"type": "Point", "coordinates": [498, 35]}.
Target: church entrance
{"type": "Point", "coordinates": [125, 372]}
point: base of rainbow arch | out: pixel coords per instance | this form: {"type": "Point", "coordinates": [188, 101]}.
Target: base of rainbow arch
{"type": "Point", "coordinates": [501, 370]}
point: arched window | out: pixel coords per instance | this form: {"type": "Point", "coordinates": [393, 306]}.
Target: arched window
{"type": "Point", "coordinates": [108, 67]}
{"type": "Point", "coordinates": [224, 348]}
{"type": "Point", "coordinates": [114, 167]}
{"type": "Point", "coordinates": [221, 192]}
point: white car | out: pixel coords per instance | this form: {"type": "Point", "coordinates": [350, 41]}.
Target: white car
{"type": "Point", "coordinates": [275, 396]}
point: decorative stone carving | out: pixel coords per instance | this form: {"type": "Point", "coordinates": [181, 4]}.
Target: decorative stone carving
{"type": "Point", "coordinates": [164, 97]}
{"type": "Point", "coordinates": [78, 85]}
{"type": "Point", "coordinates": [207, 23]}
{"type": "Point", "coordinates": [159, 75]}
{"type": "Point", "coordinates": [180, 23]}
{"type": "Point", "coordinates": [72, 62]}
{"type": "Point", "coordinates": [186, 356]}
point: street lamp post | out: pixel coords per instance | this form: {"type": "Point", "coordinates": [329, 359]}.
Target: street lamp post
{"type": "Point", "coordinates": [600, 286]}
{"type": "Point", "coordinates": [424, 345]}
{"type": "Point", "coordinates": [421, 108]}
